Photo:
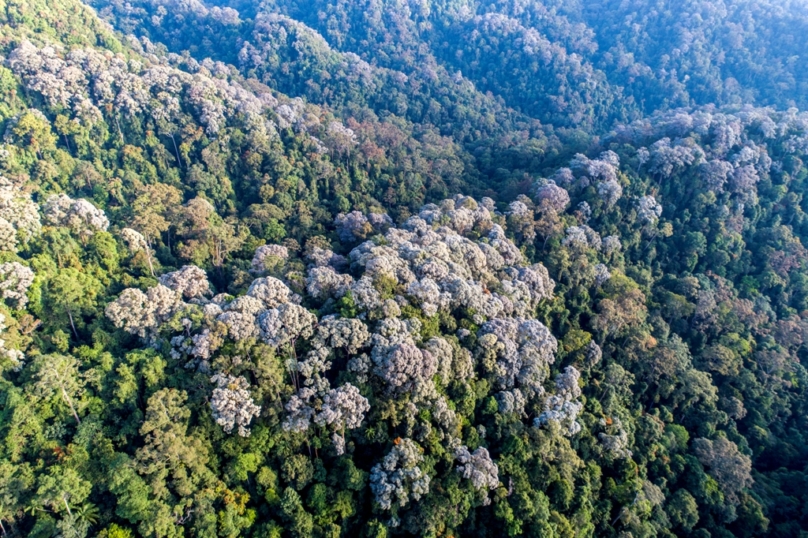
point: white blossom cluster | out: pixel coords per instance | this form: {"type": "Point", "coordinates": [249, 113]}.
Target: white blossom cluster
{"type": "Point", "coordinates": [582, 237]}
{"type": "Point", "coordinates": [441, 270]}
{"type": "Point", "coordinates": [518, 208]}
{"type": "Point", "coordinates": [199, 346]}
{"type": "Point", "coordinates": [723, 149]}
{"type": "Point", "coordinates": [340, 137]}
{"type": "Point", "coordinates": [584, 212]}
{"type": "Point", "coordinates": [611, 244]}
{"type": "Point", "coordinates": [343, 408]}
{"type": "Point", "coordinates": [615, 439]}
{"type": "Point", "coordinates": [272, 292]}
{"type": "Point", "coordinates": [359, 366]}
{"type": "Point", "coordinates": [15, 279]}
{"type": "Point", "coordinates": [594, 354]}
{"type": "Point", "coordinates": [666, 157]}
{"type": "Point", "coordinates": [563, 406]}
{"type": "Point", "coordinates": [8, 236]}
{"type": "Point", "coordinates": [239, 315]}
{"type": "Point", "coordinates": [603, 171]}
{"type": "Point", "coordinates": [355, 225]}
{"type": "Point", "coordinates": [397, 479]}
{"type": "Point", "coordinates": [134, 240]}
{"type": "Point", "coordinates": [714, 173]}
{"type": "Point", "coordinates": [341, 333]}
{"type": "Point", "coordinates": [324, 257]}
{"type": "Point", "coordinates": [80, 216]}
{"type": "Point", "coordinates": [437, 269]}
{"type": "Point", "coordinates": [267, 257]}
{"type": "Point", "coordinates": [452, 363]}
{"type": "Point", "coordinates": [288, 322]}
{"type": "Point", "coordinates": [523, 350]}
{"type": "Point", "coordinates": [299, 411]}
{"type": "Point", "coordinates": [549, 192]}
{"type": "Point", "coordinates": [19, 216]}
{"type": "Point", "coordinates": [324, 282]}
{"type": "Point", "coordinates": [648, 210]}
{"type": "Point", "coordinates": [352, 226]}
{"type": "Point", "coordinates": [16, 356]}
{"type": "Point", "coordinates": [143, 313]}
{"type": "Point", "coordinates": [743, 179]}
{"type": "Point", "coordinates": [232, 404]}
{"type": "Point", "coordinates": [511, 401]}
{"type": "Point", "coordinates": [87, 81]}
{"type": "Point", "coordinates": [719, 146]}
{"type": "Point", "coordinates": [190, 281]}
{"type": "Point", "coordinates": [520, 218]}
{"type": "Point", "coordinates": [478, 467]}
{"type": "Point", "coordinates": [602, 274]}
{"type": "Point", "coordinates": [404, 366]}
{"type": "Point", "coordinates": [610, 192]}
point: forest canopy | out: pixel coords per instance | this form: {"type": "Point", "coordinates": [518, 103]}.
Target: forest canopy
{"type": "Point", "coordinates": [380, 269]}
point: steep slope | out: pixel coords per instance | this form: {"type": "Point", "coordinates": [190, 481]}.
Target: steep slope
{"type": "Point", "coordinates": [297, 60]}
{"type": "Point", "coordinates": [565, 63]}
{"type": "Point", "coordinates": [71, 23]}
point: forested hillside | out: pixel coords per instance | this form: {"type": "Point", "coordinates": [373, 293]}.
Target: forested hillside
{"type": "Point", "coordinates": [384, 269]}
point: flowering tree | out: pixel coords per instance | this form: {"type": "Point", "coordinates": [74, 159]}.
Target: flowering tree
{"type": "Point", "coordinates": [80, 216]}
{"type": "Point", "coordinates": [232, 404]}
{"type": "Point", "coordinates": [478, 467]}
{"type": "Point", "coordinates": [15, 279]}
{"type": "Point", "coordinates": [343, 408]}
{"type": "Point", "coordinates": [397, 479]}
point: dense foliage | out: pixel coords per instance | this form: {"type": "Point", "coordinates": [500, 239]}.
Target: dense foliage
{"type": "Point", "coordinates": [380, 269]}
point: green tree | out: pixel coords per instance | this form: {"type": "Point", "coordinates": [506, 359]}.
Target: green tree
{"type": "Point", "coordinates": [74, 292]}
{"type": "Point", "coordinates": [59, 375]}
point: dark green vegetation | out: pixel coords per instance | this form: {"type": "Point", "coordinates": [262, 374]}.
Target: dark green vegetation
{"type": "Point", "coordinates": [375, 269]}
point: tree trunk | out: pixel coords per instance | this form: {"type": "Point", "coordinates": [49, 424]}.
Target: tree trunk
{"type": "Point", "coordinates": [343, 438]}
{"type": "Point", "coordinates": [148, 258]}
{"type": "Point", "coordinates": [64, 498]}
{"type": "Point", "coordinates": [73, 325]}
{"type": "Point", "coordinates": [176, 151]}
{"type": "Point", "coordinates": [120, 132]}
{"type": "Point", "coordinates": [69, 402]}
{"type": "Point", "coordinates": [622, 513]}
